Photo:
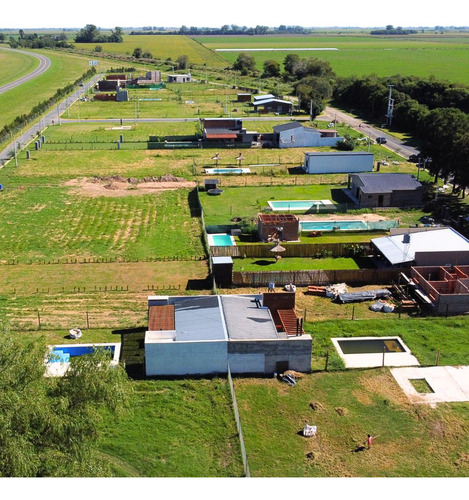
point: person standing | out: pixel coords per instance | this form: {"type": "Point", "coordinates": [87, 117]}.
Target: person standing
{"type": "Point", "coordinates": [369, 441]}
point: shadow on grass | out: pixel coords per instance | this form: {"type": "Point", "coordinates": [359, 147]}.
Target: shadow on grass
{"type": "Point", "coordinates": [264, 262]}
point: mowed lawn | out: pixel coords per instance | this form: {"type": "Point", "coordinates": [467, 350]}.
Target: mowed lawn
{"type": "Point", "coordinates": [361, 54]}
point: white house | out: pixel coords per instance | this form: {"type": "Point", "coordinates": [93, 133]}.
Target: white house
{"type": "Point", "coordinates": [295, 135]}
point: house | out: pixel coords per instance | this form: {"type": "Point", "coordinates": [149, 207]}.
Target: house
{"type": "Point", "coordinates": [227, 130]}
{"type": "Point", "coordinates": [244, 97]}
{"type": "Point", "coordinates": [385, 190]}
{"type": "Point", "coordinates": [283, 227]}
{"type": "Point", "coordinates": [106, 85]}
{"type": "Point", "coordinates": [209, 334]}
{"type": "Point", "coordinates": [296, 135]}
{"type": "Point", "coordinates": [180, 78]}
{"type": "Point", "coordinates": [445, 288]}
{"type": "Point", "coordinates": [272, 105]}
{"type": "Point", "coordinates": [426, 246]}
{"type": "Point", "coordinates": [338, 162]}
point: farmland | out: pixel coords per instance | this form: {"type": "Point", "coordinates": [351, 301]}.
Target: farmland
{"type": "Point", "coordinates": [359, 54]}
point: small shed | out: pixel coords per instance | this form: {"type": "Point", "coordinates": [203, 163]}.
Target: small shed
{"type": "Point", "coordinates": [122, 95]}
{"type": "Point", "coordinates": [283, 227]}
{"type": "Point", "coordinates": [244, 97]}
{"type": "Point", "coordinates": [211, 184]}
{"type": "Point", "coordinates": [273, 105]}
{"type": "Point", "coordinates": [223, 270]}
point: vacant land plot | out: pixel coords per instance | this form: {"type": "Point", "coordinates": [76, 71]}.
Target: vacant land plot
{"type": "Point", "coordinates": [439, 55]}
{"type": "Point", "coordinates": [345, 407]}
{"type": "Point", "coordinates": [180, 428]}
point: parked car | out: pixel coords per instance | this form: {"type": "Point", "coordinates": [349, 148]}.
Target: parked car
{"type": "Point", "coordinates": [381, 140]}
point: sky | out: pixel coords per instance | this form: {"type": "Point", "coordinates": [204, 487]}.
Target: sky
{"type": "Point", "coordinates": [29, 14]}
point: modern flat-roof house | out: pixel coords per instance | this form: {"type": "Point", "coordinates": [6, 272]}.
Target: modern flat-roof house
{"type": "Point", "coordinates": [227, 130]}
{"type": "Point", "coordinates": [296, 135]}
{"type": "Point", "coordinates": [422, 247]}
{"type": "Point", "coordinates": [338, 162]}
{"type": "Point", "coordinates": [385, 190]}
{"type": "Point", "coordinates": [204, 335]}
{"type": "Point", "coordinates": [180, 78]}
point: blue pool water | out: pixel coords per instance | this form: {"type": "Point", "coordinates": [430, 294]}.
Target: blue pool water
{"type": "Point", "coordinates": [331, 225]}
{"type": "Point", "coordinates": [227, 170]}
{"type": "Point", "coordinates": [298, 205]}
{"type": "Point", "coordinates": [63, 354]}
{"type": "Point", "coordinates": [221, 240]}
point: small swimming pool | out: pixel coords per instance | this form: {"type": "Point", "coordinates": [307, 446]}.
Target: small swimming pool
{"type": "Point", "coordinates": [333, 225]}
{"type": "Point", "coordinates": [58, 358]}
{"type": "Point", "coordinates": [214, 171]}
{"type": "Point", "coordinates": [221, 240]}
{"type": "Point", "coordinates": [300, 205]}
{"type": "Point", "coordinates": [371, 352]}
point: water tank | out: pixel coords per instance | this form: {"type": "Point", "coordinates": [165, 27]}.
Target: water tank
{"type": "Point", "coordinates": [406, 238]}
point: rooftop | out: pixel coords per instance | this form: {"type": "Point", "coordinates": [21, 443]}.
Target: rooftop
{"type": "Point", "coordinates": [386, 183]}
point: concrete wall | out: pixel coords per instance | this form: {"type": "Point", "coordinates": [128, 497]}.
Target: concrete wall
{"type": "Point", "coordinates": [262, 356]}
{"type": "Point", "coordinates": [441, 258]}
{"type": "Point", "coordinates": [332, 163]}
{"type": "Point", "coordinates": [185, 358]}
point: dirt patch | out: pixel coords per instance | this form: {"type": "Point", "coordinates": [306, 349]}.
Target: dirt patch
{"type": "Point", "coordinates": [383, 385]}
{"type": "Point", "coordinates": [116, 186]}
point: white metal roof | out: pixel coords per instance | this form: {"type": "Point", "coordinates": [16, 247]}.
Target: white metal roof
{"type": "Point", "coordinates": [397, 251]}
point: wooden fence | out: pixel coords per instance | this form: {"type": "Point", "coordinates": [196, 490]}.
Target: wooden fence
{"type": "Point", "coordinates": [293, 250]}
{"type": "Point", "coordinates": [317, 277]}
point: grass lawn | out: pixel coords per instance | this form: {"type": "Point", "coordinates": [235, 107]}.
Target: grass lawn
{"type": "Point", "coordinates": [15, 65]}
{"type": "Point", "coordinates": [182, 428]}
{"type": "Point", "coordinates": [293, 264]}
{"type": "Point", "coordinates": [414, 441]}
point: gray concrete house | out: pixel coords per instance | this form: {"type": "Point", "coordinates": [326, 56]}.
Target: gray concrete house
{"type": "Point", "coordinates": [338, 162]}
{"type": "Point", "coordinates": [180, 78]}
{"type": "Point", "coordinates": [385, 190]}
{"type": "Point", "coordinates": [203, 335]}
{"type": "Point", "coordinates": [296, 135]}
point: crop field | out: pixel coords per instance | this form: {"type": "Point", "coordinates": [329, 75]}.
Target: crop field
{"type": "Point", "coordinates": [161, 47]}
{"type": "Point", "coordinates": [439, 55]}
{"type": "Point", "coordinates": [65, 69]}
{"type": "Point", "coordinates": [15, 65]}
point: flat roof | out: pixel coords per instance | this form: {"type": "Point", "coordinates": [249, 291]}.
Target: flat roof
{"type": "Point", "coordinates": [398, 249]}
{"type": "Point", "coordinates": [246, 321]}
{"type": "Point", "coordinates": [386, 183]}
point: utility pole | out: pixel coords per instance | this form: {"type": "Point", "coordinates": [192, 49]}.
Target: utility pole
{"type": "Point", "coordinates": [390, 107]}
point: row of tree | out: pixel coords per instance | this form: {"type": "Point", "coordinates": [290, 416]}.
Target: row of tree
{"type": "Point", "coordinates": [34, 41]}
{"type": "Point", "coordinates": [226, 29]}
{"type": "Point", "coordinates": [442, 130]}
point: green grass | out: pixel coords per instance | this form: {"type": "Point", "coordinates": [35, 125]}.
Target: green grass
{"type": "Point", "coordinates": [294, 264]}
{"type": "Point", "coordinates": [425, 55]}
{"type": "Point", "coordinates": [175, 429]}
{"type": "Point", "coordinates": [15, 65]}
{"type": "Point", "coordinates": [65, 69]}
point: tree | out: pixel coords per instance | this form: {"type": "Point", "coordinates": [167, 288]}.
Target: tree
{"type": "Point", "coordinates": [182, 62]}
{"type": "Point", "coordinates": [271, 68]}
{"type": "Point", "coordinates": [116, 35]}
{"type": "Point", "coordinates": [88, 34]}
{"type": "Point", "coordinates": [313, 92]}
{"type": "Point", "coordinates": [245, 63]}
{"type": "Point", "coordinates": [290, 62]}
{"type": "Point", "coordinates": [48, 426]}
{"type": "Point", "coordinates": [137, 53]}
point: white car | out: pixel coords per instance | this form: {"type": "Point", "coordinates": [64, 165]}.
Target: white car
{"type": "Point", "coordinates": [385, 163]}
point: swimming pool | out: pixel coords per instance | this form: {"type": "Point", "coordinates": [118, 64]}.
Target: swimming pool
{"type": "Point", "coordinates": [227, 171]}
{"type": "Point", "coordinates": [58, 358]}
{"type": "Point", "coordinates": [221, 240]}
{"type": "Point", "coordinates": [299, 205]}
{"type": "Point", "coordinates": [333, 225]}
{"type": "Point", "coordinates": [369, 352]}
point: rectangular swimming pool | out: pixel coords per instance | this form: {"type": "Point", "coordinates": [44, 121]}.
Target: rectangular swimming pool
{"type": "Point", "coordinates": [300, 205]}
{"type": "Point", "coordinates": [370, 346]}
{"type": "Point", "coordinates": [221, 240]}
{"type": "Point", "coordinates": [333, 225]}
{"type": "Point", "coordinates": [214, 171]}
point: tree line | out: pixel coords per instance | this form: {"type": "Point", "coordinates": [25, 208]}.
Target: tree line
{"type": "Point", "coordinates": [226, 29]}
{"type": "Point", "coordinates": [434, 112]}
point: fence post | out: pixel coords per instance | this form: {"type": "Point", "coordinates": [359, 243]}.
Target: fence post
{"type": "Point", "coordinates": [437, 357]}
{"type": "Point", "coordinates": [384, 351]}
{"type": "Point", "coordinates": [87, 321]}
{"type": "Point", "coordinates": [38, 320]}
{"type": "Point", "coordinates": [327, 360]}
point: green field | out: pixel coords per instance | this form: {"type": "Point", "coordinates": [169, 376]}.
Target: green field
{"type": "Point", "coordinates": [162, 47]}
{"type": "Point", "coordinates": [15, 65]}
{"type": "Point", "coordinates": [65, 69]}
{"type": "Point", "coordinates": [421, 55]}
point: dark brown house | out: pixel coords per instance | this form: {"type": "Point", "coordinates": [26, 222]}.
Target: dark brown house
{"type": "Point", "coordinates": [283, 227]}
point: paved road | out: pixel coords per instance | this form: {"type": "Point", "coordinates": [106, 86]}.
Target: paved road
{"type": "Point", "coordinates": [44, 65]}
{"type": "Point", "coordinates": [392, 144]}
{"type": "Point", "coordinates": [50, 118]}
